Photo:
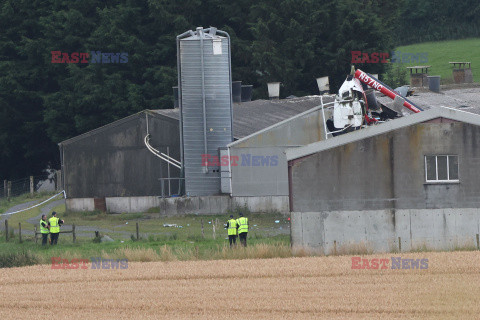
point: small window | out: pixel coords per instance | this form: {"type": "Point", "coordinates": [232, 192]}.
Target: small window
{"type": "Point", "coordinates": [442, 168]}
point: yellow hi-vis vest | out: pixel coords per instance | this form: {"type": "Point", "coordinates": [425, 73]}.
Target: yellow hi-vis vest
{"type": "Point", "coordinates": [232, 227]}
{"type": "Point", "coordinates": [54, 227]}
{"type": "Point", "coordinates": [42, 228]}
{"type": "Point", "coordinates": [243, 224]}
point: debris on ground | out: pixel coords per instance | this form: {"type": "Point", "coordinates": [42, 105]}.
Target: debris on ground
{"type": "Point", "coordinates": [106, 239]}
{"type": "Point", "coordinates": [170, 225]}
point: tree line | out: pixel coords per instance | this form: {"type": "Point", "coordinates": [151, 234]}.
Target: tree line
{"type": "Point", "coordinates": [291, 41]}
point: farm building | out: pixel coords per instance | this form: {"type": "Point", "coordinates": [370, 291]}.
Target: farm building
{"type": "Point", "coordinates": [403, 184]}
{"type": "Point", "coordinates": [105, 164]}
{"type": "Point", "coordinates": [113, 165]}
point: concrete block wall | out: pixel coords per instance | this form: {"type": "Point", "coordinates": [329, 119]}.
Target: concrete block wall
{"type": "Point", "coordinates": [184, 205]}
{"type": "Point", "coordinates": [380, 230]}
{"type": "Point", "coordinates": [80, 204]}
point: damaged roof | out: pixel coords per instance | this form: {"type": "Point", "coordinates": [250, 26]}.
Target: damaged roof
{"type": "Point", "coordinates": [465, 97]}
{"type": "Point", "coordinates": [253, 116]}
{"type": "Point", "coordinates": [409, 120]}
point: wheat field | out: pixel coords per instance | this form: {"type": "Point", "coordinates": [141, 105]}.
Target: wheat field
{"type": "Point", "coordinates": [288, 288]}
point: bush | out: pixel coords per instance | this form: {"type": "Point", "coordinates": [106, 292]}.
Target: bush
{"type": "Point", "coordinates": [18, 259]}
{"type": "Point", "coordinates": [395, 75]}
{"type": "Point", "coordinates": [195, 237]}
{"type": "Point", "coordinates": [235, 211]}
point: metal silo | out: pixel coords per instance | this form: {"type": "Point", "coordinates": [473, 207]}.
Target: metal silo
{"type": "Point", "coordinates": [204, 81]}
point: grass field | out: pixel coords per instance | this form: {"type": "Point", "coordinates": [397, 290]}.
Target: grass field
{"type": "Point", "coordinates": [269, 236]}
{"type": "Point", "coordinates": [6, 204]}
{"type": "Point", "coordinates": [442, 52]}
{"type": "Point", "coordinates": [291, 288]}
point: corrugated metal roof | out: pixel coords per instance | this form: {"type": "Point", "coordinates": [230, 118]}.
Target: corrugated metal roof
{"type": "Point", "coordinates": [90, 133]}
{"type": "Point", "coordinates": [248, 117]}
{"type": "Point", "coordinates": [253, 116]}
{"type": "Point", "coordinates": [464, 97]}
{"type": "Point", "coordinates": [433, 113]}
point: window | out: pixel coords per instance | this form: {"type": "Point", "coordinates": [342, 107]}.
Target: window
{"type": "Point", "coordinates": [441, 168]}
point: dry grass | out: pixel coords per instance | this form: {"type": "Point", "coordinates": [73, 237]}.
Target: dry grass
{"type": "Point", "coordinates": [309, 287]}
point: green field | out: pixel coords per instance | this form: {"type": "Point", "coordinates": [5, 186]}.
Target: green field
{"type": "Point", "coordinates": [442, 52]}
{"type": "Point", "coordinates": [160, 237]}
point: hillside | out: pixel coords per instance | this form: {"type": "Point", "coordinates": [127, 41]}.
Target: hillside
{"type": "Point", "coordinates": [440, 53]}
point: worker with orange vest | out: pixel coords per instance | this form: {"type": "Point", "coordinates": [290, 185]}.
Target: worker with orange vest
{"type": "Point", "coordinates": [232, 227]}
{"type": "Point", "coordinates": [54, 224]}
{"type": "Point", "coordinates": [242, 229]}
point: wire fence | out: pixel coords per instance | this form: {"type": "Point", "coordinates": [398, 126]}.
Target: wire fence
{"type": "Point", "coordinates": [45, 182]}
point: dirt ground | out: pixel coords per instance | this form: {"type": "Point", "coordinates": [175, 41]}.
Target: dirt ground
{"type": "Point", "coordinates": [292, 288]}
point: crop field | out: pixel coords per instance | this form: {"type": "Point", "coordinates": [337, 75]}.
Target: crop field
{"type": "Point", "coordinates": [307, 287]}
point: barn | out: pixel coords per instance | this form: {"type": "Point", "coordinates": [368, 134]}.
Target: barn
{"type": "Point", "coordinates": [405, 184]}
{"type": "Point", "coordinates": [110, 168]}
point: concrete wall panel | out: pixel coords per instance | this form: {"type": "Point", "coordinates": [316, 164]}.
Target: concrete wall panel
{"type": "Point", "coordinates": [296, 229]}
{"type": "Point", "coordinates": [312, 230]}
{"type": "Point", "coordinates": [260, 172]}
{"type": "Point", "coordinates": [379, 230]}
{"type": "Point", "coordinates": [80, 204]}
{"type": "Point", "coordinates": [184, 205]}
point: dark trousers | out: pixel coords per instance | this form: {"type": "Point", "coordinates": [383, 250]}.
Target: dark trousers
{"type": "Point", "coordinates": [232, 239]}
{"type": "Point", "coordinates": [243, 238]}
{"type": "Point", "coordinates": [44, 238]}
{"type": "Point", "coordinates": [53, 238]}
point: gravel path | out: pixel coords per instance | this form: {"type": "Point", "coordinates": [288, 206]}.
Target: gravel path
{"type": "Point", "coordinates": [47, 210]}
{"type": "Point", "coordinates": [13, 209]}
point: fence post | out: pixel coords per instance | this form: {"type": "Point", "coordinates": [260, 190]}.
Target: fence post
{"type": "Point", "coordinates": [73, 233]}
{"type": "Point", "coordinates": [35, 230]}
{"type": "Point", "coordinates": [334, 247]}
{"type": "Point", "coordinates": [399, 244]}
{"type": "Point", "coordinates": [214, 231]}
{"type": "Point", "coordinates": [6, 230]}
{"type": "Point", "coordinates": [203, 233]}
{"type": "Point", "coordinates": [32, 189]}
{"type": "Point", "coordinates": [5, 183]}
{"type": "Point", "coordinates": [20, 232]}
{"type": "Point", "coordinates": [478, 243]}
{"type": "Point", "coordinates": [137, 231]}
{"type": "Point", "coordinates": [9, 189]}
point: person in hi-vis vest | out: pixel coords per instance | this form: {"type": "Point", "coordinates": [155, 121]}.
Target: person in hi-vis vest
{"type": "Point", "coordinates": [242, 229]}
{"type": "Point", "coordinates": [54, 224]}
{"type": "Point", "coordinates": [44, 229]}
{"type": "Point", "coordinates": [232, 227]}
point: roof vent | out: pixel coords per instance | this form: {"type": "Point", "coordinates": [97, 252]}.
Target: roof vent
{"type": "Point", "coordinates": [323, 85]}
{"type": "Point", "coordinates": [273, 90]}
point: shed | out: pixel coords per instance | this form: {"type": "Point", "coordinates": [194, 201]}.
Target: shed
{"type": "Point", "coordinates": [113, 162]}
{"type": "Point", "coordinates": [402, 185]}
